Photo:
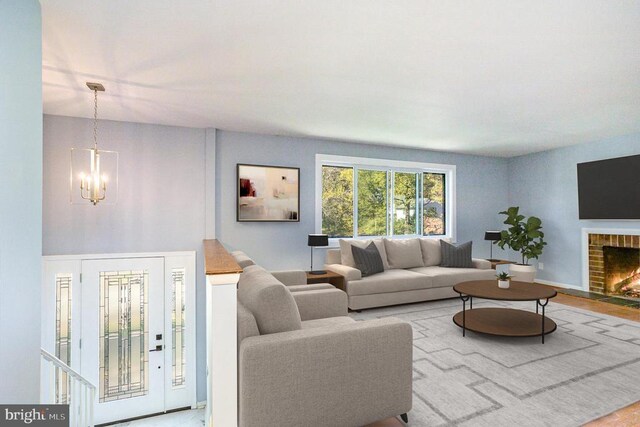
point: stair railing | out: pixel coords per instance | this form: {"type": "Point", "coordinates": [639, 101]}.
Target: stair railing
{"type": "Point", "coordinates": [63, 385]}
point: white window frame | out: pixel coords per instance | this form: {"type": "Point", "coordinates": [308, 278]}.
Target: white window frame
{"type": "Point", "coordinates": [387, 165]}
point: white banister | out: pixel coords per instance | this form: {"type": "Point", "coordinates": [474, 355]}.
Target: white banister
{"type": "Point", "coordinates": [77, 392]}
{"type": "Point", "coordinates": [222, 273]}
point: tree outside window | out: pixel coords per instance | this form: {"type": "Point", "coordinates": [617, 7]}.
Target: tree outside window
{"type": "Point", "coordinates": [388, 202]}
{"type": "Point", "coordinates": [433, 204]}
{"type": "Point", "coordinates": [405, 202]}
{"type": "Point", "coordinates": [337, 201]}
{"type": "Point", "coordinates": [372, 203]}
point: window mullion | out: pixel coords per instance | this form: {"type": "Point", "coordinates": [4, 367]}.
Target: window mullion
{"type": "Point", "coordinates": [422, 204]}
{"type": "Point", "coordinates": [355, 201]}
{"type": "Point", "coordinates": [390, 202]}
{"type": "Point", "coordinates": [418, 208]}
{"type": "Point", "coordinates": [445, 201]}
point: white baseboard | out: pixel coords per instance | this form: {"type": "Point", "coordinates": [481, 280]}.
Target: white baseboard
{"type": "Point", "coordinates": [561, 285]}
{"type": "Point", "coordinates": [200, 405]}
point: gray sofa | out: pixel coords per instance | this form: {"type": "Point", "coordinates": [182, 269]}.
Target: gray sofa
{"type": "Point", "coordinates": [303, 362]}
{"type": "Point", "coordinates": [412, 272]}
{"type": "Point", "coordinates": [313, 301]}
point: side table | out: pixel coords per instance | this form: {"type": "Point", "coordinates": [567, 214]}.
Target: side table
{"type": "Point", "coordinates": [496, 262]}
{"type": "Point", "coordinates": [335, 279]}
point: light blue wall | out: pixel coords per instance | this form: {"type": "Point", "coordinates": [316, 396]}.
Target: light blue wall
{"type": "Point", "coordinates": [545, 185]}
{"type": "Point", "coordinates": [161, 203]}
{"type": "Point", "coordinates": [481, 192]}
{"type": "Point", "coordinates": [20, 199]}
{"type": "Point", "coordinates": [162, 196]}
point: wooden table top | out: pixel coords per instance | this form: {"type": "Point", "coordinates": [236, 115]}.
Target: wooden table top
{"type": "Point", "coordinates": [327, 275]}
{"type": "Point", "coordinates": [518, 291]}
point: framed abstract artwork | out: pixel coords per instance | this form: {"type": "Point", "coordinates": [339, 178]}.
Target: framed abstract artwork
{"type": "Point", "coordinates": [268, 194]}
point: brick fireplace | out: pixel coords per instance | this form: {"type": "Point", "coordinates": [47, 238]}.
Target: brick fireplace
{"type": "Point", "coordinates": [614, 264]}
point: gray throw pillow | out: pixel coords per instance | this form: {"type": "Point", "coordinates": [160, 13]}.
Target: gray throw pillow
{"type": "Point", "coordinates": [368, 259]}
{"type": "Point", "coordinates": [456, 256]}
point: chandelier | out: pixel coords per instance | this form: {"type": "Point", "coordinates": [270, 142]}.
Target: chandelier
{"type": "Point", "coordinates": [92, 164]}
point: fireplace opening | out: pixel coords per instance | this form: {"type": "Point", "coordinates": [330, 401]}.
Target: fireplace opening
{"type": "Point", "coordinates": [622, 271]}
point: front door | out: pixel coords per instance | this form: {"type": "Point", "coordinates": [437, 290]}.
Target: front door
{"type": "Point", "coordinates": [123, 335]}
{"type": "Point", "coordinates": [126, 323]}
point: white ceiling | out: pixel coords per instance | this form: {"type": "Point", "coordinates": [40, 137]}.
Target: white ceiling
{"type": "Point", "coordinates": [500, 78]}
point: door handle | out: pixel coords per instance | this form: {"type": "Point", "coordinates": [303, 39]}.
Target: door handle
{"type": "Point", "coordinates": [158, 348]}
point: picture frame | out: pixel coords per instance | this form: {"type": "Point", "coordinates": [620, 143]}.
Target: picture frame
{"type": "Point", "coordinates": [267, 193]}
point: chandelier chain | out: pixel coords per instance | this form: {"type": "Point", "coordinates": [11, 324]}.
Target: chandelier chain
{"type": "Point", "coordinates": [95, 119]}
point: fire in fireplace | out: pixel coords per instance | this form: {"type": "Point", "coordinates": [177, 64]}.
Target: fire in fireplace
{"type": "Point", "coordinates": [622, 271]}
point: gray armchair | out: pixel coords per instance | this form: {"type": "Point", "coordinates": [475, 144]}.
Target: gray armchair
{"type": "Point", "coordinates": [303, 362]}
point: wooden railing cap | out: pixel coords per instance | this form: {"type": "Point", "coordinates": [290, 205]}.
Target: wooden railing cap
{"type": "Point", "coordinates": [217, 260]}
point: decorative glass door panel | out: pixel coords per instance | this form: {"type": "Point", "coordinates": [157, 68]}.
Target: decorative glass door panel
{"type": "Point", "coordinates": [64, 282]}
{"type": "Point", "coordinates": [122, 335]}
{"type": "Point", "coordinates": [60, 331]}
{"type": "Point", "coordinates": [178, 327]}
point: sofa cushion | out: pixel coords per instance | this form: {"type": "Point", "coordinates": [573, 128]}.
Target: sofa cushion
{"type": "Point", "coordinates": [403, 253]}
{"type": "Point", "coordinates": [329, 321]}
{"type": "Point", "coordinates": [268, 300]}
{"type": "Point", "coordinates": [349, 273]}
{"type": "Point", "coordinates": [431, 252]}
{"type": "Point", "coordinates": [367, 259]}
{"type": "Point", "coordinates": [290, 277]}
{"type": "Point", "coordinates": [333, 257]}
{"type": "Point", "coordinates": [247, 326]}
{"type": "Point", "coordinates": [255, 274]}
{"type": "Point", "coordinates": [444, 276]}
{"type": "Point", "coordinates": [310, 287]}
{"type": "Point", "coordinates": [346, 255]}
{"type": "Point", "coordinates": [395, 280]}
{"type": "Point", "coordinates": [458, 256]}
{"type": "Point", "coordinates": [242, 259]}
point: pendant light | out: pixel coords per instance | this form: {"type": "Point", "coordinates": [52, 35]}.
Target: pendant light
{"type": "Point", "coordinates": [92, 181]}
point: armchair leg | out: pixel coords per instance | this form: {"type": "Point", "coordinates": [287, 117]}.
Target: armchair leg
{"type": "Point", "coordinates": [405, 418]}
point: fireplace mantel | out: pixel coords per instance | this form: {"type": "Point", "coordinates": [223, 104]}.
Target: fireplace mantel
{"type": "Point", "coordinates": [616, 237]}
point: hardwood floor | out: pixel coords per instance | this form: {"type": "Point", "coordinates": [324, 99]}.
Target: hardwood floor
{"type": "Point", "coordinates": [389, 422]}
{"type": "Point", "coordinates": [625, 417]}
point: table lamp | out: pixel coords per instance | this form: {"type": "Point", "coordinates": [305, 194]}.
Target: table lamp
{"type": "Point", "coordinates": [317, 240]}
{"type": "Point", "coordinates": [493, 236]}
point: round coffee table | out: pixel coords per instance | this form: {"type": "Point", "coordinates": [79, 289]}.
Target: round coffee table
{"type": "Point", "coordinates": [507, 322]}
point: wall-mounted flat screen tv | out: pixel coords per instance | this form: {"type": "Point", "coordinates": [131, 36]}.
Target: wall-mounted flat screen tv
{"type": "Point", "coordinates": [609, 189]}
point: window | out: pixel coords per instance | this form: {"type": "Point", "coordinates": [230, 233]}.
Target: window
{"type": "Point", "coordinates": [405, 203]}
{"type": "Point", "coordinates": [337, 201]}
{"type": "Point", "coordinates": [433, 203]}
{"type": "Point", "coordinates": [372, 202]}
{"type": "Point", "coordinates": [359, 197]}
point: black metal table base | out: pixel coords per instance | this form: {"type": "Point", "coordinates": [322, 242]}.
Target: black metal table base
{"type": "Point", "coordinates": [464, 299]}
{"type": "Point", "coordinates": [538, 303]}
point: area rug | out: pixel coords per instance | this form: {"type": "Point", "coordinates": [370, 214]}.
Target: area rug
{"type": "Point", "coordinates": [588, 368]}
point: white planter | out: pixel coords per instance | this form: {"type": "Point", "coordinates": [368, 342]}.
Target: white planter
{"type": "Point", "coordinates": [503, 284]}
{"type": "Point", "coordinates": [522, 273]}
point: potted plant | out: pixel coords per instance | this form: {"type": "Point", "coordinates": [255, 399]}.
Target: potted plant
{"type": "Point", "coordinates": [504, 280]}
{"type": "Point", "coordinates": [524, 235]}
